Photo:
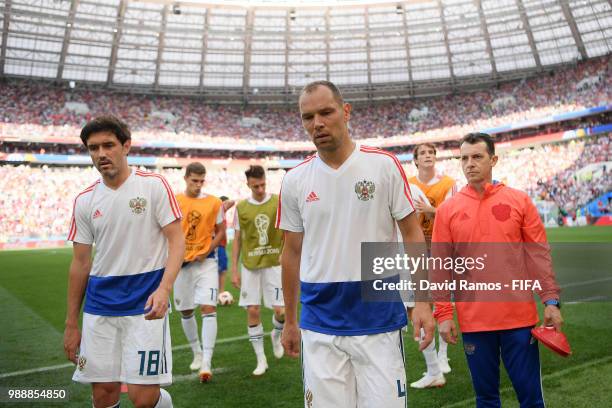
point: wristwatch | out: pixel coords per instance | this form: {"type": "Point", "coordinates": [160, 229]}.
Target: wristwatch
{"type": "Point", "coordinates": [553, 302]}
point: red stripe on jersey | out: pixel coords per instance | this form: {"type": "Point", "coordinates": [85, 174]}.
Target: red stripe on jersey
{"type": "Point", "coordinates": [72, 232]}
{"type": "Point", "coordinates": [367, 149]}
{"type": "Point", "coordinates": [176, 211]}
{"type": "Point", "coordinates": [280, 193]}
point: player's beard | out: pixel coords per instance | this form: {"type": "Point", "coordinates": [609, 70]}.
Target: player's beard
{"type": "Point", "coordinates": [328, 145]}
{"type": "Point", "coordinates": [109, 172]}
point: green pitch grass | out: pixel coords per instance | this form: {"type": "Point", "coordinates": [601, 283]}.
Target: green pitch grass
{"type": "Point", "coordinates": [32, 300]}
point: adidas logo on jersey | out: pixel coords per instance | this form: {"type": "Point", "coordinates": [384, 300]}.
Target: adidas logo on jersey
{"type": "Point", "coordinates": [97, 214]}
{"type": "Point", "coordinates": [312, 197]}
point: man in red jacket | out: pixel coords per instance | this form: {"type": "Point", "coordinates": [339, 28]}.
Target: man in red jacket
{"type": "Point", "coordinates": [488, 214]}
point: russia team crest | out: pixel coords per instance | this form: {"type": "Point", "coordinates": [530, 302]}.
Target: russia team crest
{"type": "Point", "coordinates": [138, 205]}
{"type": "Point", "coordinates": [81, 362]}
{"type": "Point", "coordinates": [365, 190]}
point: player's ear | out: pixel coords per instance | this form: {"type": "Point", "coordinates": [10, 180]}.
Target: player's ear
{"type": "Point", "coordinates": [126, 146]}
{"type": "Point", "coordinates": [347, 111]}
{"type": "Point", "coordinates": [494, 159]}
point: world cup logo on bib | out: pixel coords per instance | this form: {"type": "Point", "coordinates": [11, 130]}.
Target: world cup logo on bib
{"type": "Point", "coordinates": [262, 222]}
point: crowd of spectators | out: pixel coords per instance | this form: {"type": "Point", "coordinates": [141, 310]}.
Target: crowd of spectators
{"type": "Point", "coordinates": [39, 204]}
{"type": "Point", "coordinates": [552, 172]}
{"type": "Point", "coordinates": [30, 109]}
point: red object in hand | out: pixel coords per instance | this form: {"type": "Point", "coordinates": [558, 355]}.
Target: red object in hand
{"type": "Point", "coordinates": [554, 340]}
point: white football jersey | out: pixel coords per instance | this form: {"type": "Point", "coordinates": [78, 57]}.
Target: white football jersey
{"type": "Point", "coordinates": [131, 251]}
{"type": "Point", "coordinates": [337, 210]}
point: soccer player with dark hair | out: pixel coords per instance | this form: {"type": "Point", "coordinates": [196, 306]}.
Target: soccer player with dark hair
{"type": "Point", "coordinates": [198, 281]}
{"type": "Point", "coordinates": [134, 220]}
{"type": "Point", "coordinates": [487, 212]}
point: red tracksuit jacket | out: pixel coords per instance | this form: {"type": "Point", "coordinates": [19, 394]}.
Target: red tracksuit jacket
{"type": "Point", "coordinates": [501, 216]}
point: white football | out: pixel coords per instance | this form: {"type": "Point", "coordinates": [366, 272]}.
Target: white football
{"type": "Point", "coordinates": [225, 298]}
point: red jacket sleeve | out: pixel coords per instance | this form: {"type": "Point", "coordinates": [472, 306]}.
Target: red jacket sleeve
{"type": "Point", "coordinates": [537, 253]}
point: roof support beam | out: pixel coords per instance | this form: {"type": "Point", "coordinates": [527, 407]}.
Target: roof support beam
{"type": "Point", "coordinates": [567, 12]}
{"type": "Point", "coordinates": [527, 27]}
{"type": "Point", "coordinates": [287, 45]}
{"type": "Point", "coordinates": [116, 38]}
{"type": "Point", "coordinates": [327, 42]}
{"type": "Point", "coordinates": [366, 22]}
{"type": "Point", "coordinates": [5, 28]}
{"type": "Point", "coordinates": [248, 45]}
{"type": "Point", "coordinates": [160, 44]}
{"type": "Point", "coordinates": [485, 32]}
{"type": "Point", "coordinates": [448, 51]}
{"type": "Point", "coordinates": [67, 33]}
{"type": "Point", "coordinates": [407, 45]}
{"type": "Point", "coordinates": [204, 47]}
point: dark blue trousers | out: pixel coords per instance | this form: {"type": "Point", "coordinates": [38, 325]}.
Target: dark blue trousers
{"type": "Point", "coordinates": [519, 352]}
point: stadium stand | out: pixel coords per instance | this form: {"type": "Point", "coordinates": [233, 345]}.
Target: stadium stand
{"type": "Point", "coordinates": [34, 109]}
{"type": "Point", "coordinates": [38, 206]}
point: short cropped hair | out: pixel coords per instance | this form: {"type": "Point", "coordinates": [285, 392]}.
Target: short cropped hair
{"type": "Point", "coordinates": [329, 85]}
{"type": "Point", "coordinates": [415, 152]}
{"type": "Point", "coordinates": [106, 123]}
{"type": "Point", "coordinates": [473, 138]}
{"type": "Point", "coordinates": [255, 171]}
{"type": "Point", "coordinates": [195, 168]}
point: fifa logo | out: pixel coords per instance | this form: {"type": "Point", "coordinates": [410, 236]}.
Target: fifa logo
{"type": "Point", "coordinates": [262, 222]}
{"type": "Point", "coordinates": [193, 218]}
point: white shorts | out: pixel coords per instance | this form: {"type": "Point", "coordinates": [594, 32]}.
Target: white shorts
{"type": "Point", "coordinates": [197, 284]}
{"type": "Point", "coordinates": [266, 281]}
{"type": "Point", "coordinates": [353, 371]}
{"type": "Point", "coordinates": [127, 349]}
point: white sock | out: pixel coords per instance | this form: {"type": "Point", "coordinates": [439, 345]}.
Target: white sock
{"type": "Point", "coordinates": [165, 400]}
{"type": "Point", "coordinates": [256, 335]}
{"type": "Point", "coordinates": [431, 357]}
{"type": "Point", "coordinates": [278, 326]}
{"type": "Point", "coordinates": [190, 328]}
{"type": "Point", "coordinates": [209, 336]}
{"type": "Point", "coordinates": [442, 347]}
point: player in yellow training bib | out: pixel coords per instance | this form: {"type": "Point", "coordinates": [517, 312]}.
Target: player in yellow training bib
{"type": "Point", "coordinates": [198, 282]}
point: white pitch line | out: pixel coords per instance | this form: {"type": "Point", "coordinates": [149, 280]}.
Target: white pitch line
{"type": "Point", "coordinates": [587, 299]}
{"type": "Point", "coordinates": [36, 370]}
{"type": "Point", "coordinates": [584, 283]}
{"type": "Point", "coordinates": [556, 374]}
{"type": "Point", "coordinates": [67, 365]}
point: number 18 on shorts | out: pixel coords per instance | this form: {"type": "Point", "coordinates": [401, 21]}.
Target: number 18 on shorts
{"type": "Point", "coordinates": [127, 349]}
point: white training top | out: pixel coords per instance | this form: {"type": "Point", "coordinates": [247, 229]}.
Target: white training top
{"type": "Point", "coordinates": [337, 210]}
{"type": "Point", "coordinates": [131, 251]}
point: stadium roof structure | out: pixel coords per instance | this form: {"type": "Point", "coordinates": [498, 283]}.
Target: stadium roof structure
{"type": "Point", "coordinates": [265, 51]}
